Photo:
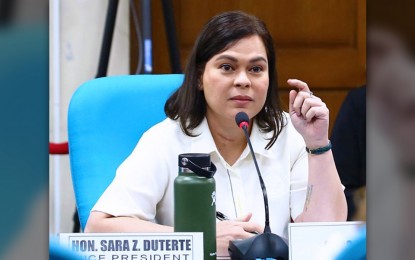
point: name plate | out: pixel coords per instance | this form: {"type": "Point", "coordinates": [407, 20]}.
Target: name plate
{"type": "Point", "coordinates": [135, 246]}
{"type": "Point", "coordinates": [320, 240]}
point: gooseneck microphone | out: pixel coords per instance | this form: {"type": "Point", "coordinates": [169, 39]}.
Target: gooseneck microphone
{"type": "Point", "coordinates": [242, 120]}
{"type": "Point", "coordinates": [266, 245]}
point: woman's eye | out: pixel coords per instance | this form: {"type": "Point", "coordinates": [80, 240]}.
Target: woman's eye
{"type": "Point", "coordinates": [226, 67]}
{"type": "Point", "coordinates": [256, 69]}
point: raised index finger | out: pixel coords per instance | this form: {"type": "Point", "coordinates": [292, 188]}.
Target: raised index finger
{"type": "Point", "coordinates": [301, 85]}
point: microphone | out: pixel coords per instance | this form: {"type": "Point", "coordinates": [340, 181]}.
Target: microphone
{"type": "Point", "coordinates": [267, 244]}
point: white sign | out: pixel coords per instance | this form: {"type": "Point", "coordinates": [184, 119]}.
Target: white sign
{"type": "Point", "coordinates": [135, 246]}
{"type": "Point", "coordinates": [320, 240]}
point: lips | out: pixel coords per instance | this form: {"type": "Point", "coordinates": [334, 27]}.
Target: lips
{"type": "Point", "coordinates": [241, 98]}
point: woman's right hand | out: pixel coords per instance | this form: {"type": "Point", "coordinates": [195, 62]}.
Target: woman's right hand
{"type": "Point", "coordinates": [239, 228]}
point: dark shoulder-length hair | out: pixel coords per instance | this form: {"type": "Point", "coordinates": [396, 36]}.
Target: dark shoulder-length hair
{"type": "Point", "coordinates": [188, 103]}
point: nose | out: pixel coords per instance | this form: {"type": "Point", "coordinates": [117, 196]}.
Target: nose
{"type": "Point", "coordinates": [242, 79]}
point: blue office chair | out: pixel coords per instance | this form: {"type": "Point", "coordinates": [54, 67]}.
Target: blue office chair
{"type": "Point", "coordinates": [59, 252]}
{"type": "Point", "coordinates": [106, 118]}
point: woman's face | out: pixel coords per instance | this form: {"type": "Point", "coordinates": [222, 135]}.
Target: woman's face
{"type": "Point", "coordinates": [236, 80]}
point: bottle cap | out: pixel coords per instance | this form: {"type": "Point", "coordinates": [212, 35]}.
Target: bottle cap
{"type": "Point", "coordinates": [199, 163]}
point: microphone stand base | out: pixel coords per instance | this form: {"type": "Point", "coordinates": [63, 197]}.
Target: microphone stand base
{"type": "Point", "coordinates": [266, 245]}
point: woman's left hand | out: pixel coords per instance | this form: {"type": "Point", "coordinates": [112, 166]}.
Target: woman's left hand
{"type": "Point", "coordinates": [309, 114]}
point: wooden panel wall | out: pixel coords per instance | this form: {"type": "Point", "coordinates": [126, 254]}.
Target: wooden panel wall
{"type": "Point", "coordinates": [319, 41]}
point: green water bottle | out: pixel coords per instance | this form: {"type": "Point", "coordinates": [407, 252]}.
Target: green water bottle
{"type": "Point", "coordinates": [195, 199]}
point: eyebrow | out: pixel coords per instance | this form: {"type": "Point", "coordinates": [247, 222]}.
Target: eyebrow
{"type": "Point", "coordinates": [228, 57]}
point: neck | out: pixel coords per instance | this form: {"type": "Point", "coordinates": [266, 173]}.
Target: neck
{"type": "Point", "coordinates": [229, 139]}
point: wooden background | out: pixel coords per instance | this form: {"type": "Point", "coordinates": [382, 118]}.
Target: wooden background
{"type": "Point", "coordinates": [321, 42]}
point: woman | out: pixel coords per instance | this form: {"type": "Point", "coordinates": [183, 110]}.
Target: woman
{"type": "Point", "coordinates": [231, 69]}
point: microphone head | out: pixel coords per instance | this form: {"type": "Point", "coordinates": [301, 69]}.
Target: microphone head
{"type": "Point", "coordinates": [242, 119]}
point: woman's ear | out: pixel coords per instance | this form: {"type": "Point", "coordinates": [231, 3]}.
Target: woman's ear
{"type": "Point", "coordinates": [200, 80]}
{"type": "Point", "coordinates": [199, 85]}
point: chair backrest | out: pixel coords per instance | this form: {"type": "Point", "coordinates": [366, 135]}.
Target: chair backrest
{"type": "Point", "coordinates": [106, 118]}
